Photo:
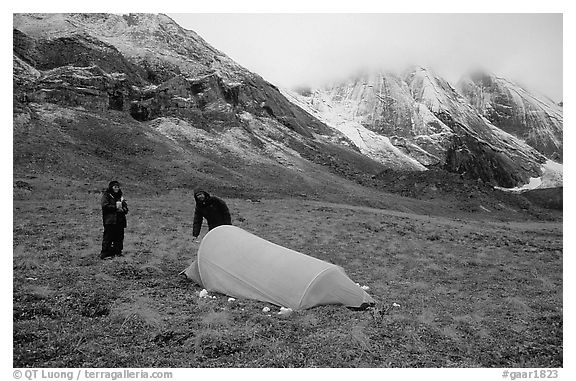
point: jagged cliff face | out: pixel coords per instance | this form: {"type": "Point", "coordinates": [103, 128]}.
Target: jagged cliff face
{"type": "Point", "coordinates": [383, 103]}
{"type": "Point", "coordinates": [478, 148]}
{"type": "Point", "coordinates": [378, 113]}
{"type": "Point", "coordinates": [537, 120]}
{"type": "Point", "coordinates": [429, 121]}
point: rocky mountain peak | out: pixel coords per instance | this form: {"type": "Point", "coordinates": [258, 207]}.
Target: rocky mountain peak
{"type": "Point", "coordinates": [430, 121]}
{"type": "Point", "coordinates": [534, 118]}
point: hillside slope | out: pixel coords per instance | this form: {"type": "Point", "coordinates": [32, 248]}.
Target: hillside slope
{"type": "Point", "coordinates": [139, 94]}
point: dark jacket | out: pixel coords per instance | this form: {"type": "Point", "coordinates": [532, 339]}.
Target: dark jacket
{"type": "Point", "coordinates": [213, 209]}
{"type": "Point", "coordinates": [110, 215]}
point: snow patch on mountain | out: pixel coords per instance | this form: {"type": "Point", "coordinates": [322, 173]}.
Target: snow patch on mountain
{"type": "Point", "coordinates": [434, 92]}
{"type": "Point", "coordinates": [234, 141]}
{"type": "Point", "coordinates": [424, 120]}
{"type": "Point", "coordinates": [369, 143]}
{"type": "Point", "coordinates": [552, 173]}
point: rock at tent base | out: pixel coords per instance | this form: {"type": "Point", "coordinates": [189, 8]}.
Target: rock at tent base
{"type": "Point", "coordinates": [285, 311]}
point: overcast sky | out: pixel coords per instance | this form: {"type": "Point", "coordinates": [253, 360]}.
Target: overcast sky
{"type": "Point", "coordinates": [292, 49]}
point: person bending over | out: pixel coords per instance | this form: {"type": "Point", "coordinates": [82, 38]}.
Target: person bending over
{"type": "Point", "coordinates": [212, 208]}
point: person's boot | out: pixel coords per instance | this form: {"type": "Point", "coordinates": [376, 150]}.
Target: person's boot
{"type": "Point", "coordinates": [106, 255]}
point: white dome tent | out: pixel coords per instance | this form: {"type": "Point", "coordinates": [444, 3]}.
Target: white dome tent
{"type": "Point", "coordinates": [237, 263]}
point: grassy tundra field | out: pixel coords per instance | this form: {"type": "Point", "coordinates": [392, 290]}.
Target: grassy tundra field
{"type": "Point", "coordinates": [451, 292]}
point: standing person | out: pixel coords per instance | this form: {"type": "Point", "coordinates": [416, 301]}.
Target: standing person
{"type": "Point", "coordinates": [114, 210]}
{"type": "Point", "coordinates": [212, 208]}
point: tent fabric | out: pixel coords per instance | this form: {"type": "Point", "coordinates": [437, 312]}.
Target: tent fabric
{"type": "Point", "coordinates": [237, 263]}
